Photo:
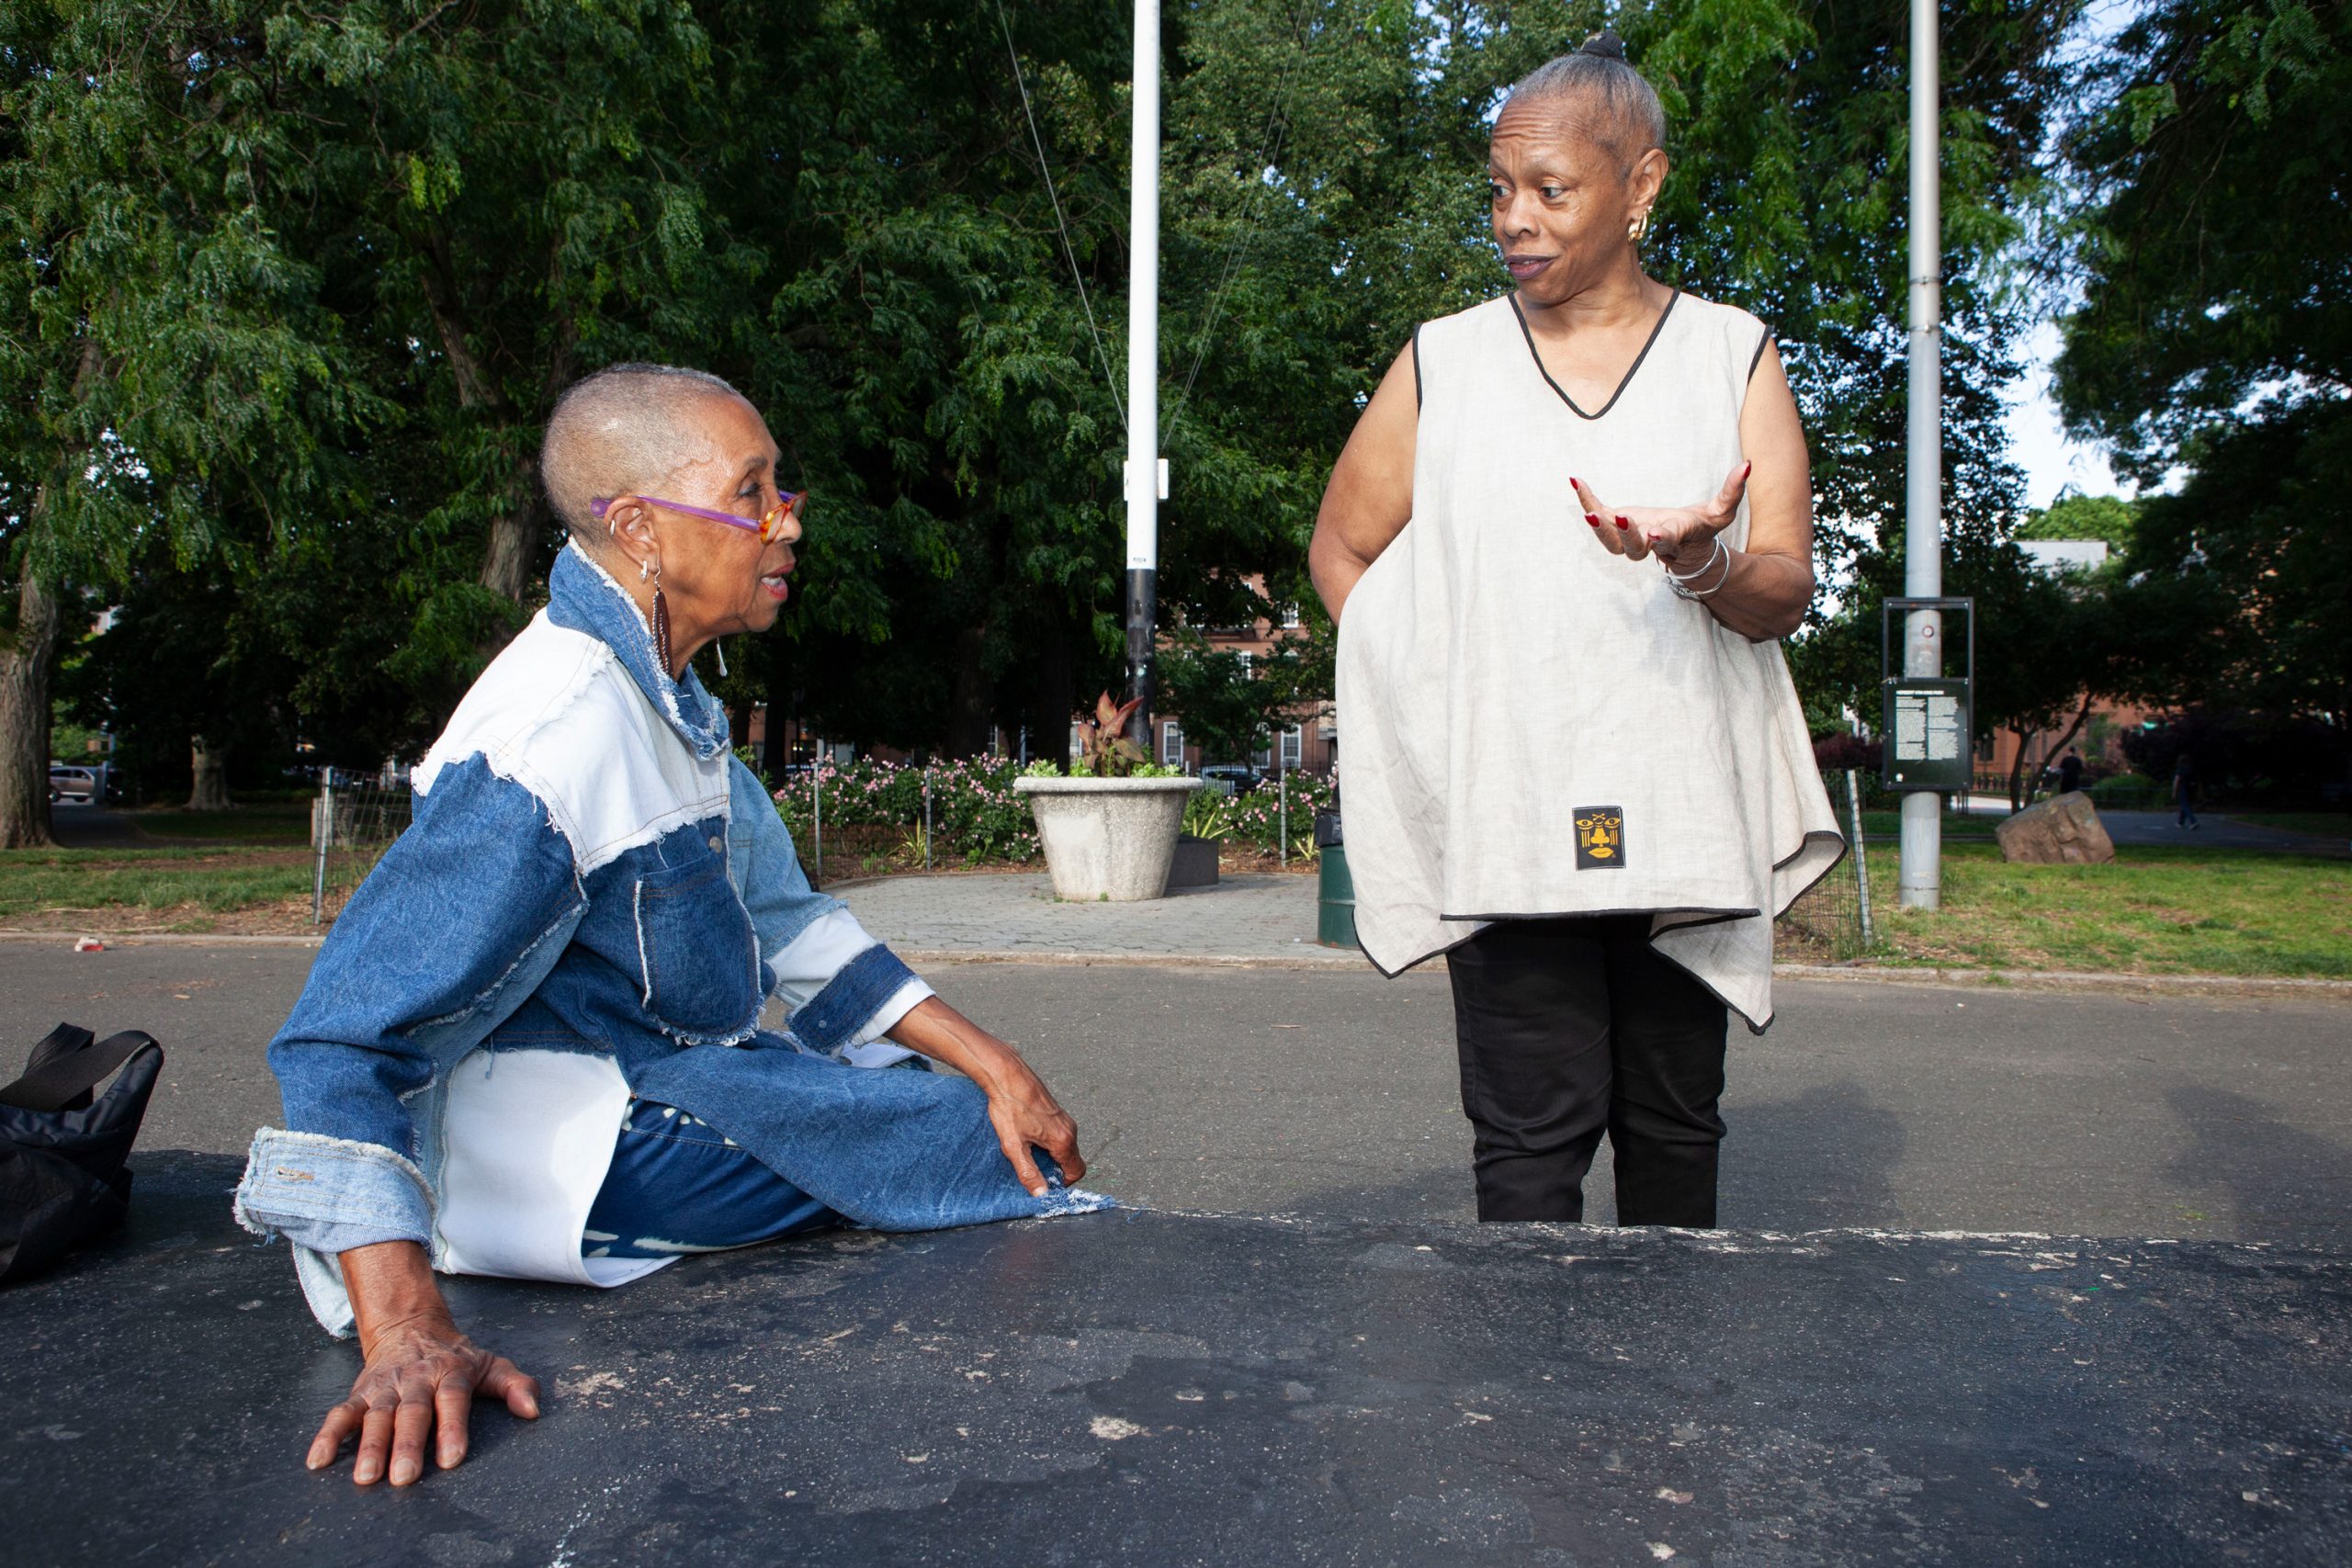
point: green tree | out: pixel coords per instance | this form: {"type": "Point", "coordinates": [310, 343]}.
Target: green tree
{"type": "Point", "coordinates": [169, 361]}
{"type": "Point", "coordinates": [2215, 335]}
{"type": "Point", "coordinates": [509, 196]}
{"type": "Point", "coordinates": [2109, 519]}
{"type": "Point", "coordinates": [1790, 136]}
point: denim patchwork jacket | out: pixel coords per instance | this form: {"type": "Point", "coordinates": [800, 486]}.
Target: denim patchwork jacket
{"type": "Point", "coordinates": [594, 900]}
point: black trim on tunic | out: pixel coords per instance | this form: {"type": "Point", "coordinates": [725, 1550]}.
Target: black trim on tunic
{"type": "Point", "coordinates": [1631, 372]}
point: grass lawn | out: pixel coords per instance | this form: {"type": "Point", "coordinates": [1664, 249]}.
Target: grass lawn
{"type": "Point", "coordinates": [173, 888]}
{"type": "Point", "coordinates": [2151, 910]}
{"type": "Point", "coordinates": [2327, 824]}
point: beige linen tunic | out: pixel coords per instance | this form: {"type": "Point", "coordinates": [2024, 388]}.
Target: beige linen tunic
{"type": "Point", "coordinates": [1500, 672]}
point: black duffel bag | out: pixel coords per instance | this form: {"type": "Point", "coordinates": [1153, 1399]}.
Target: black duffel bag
{"type": "Point", "coordinates": [62, 1180]}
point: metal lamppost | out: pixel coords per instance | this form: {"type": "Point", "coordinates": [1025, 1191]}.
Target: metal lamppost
{"type": "Point", "coordinates": [1921, 880]}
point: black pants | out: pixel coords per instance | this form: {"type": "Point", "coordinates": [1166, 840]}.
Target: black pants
{"type": "Point", "coordinates": [1571, 1027]}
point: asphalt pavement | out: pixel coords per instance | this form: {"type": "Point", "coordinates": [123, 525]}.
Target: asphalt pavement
{"type": "Point", "coordinates": [1153, 1389]}
{"type": "Point", "coordinates": [2218, 832]}
{"type": "Point", "coordinates": [1333, 1094]}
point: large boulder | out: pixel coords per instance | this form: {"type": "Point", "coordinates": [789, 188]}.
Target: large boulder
{"type": "Point", "coordinates": [2062, 830]}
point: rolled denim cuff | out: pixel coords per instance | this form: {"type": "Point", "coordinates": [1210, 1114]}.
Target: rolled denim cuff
{"type": "Point", "coordinates": [331, 1194]}
{"type": "Point", "coordinates": [840, 1014]}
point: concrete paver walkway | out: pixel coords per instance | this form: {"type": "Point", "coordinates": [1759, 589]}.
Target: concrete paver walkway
{"type": "Point", "coordinates": [1244, 921]}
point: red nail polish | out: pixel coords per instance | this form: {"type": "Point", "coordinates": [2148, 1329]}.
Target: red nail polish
{"type": "Point", "coordinates": [1592, 519]}
{"type": "Point", "coordinates": [1622, 523]}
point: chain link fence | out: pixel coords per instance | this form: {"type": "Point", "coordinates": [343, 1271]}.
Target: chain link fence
{"type": "Point", "coordinates": [1831, 923]}
{"type": "Point", "coordinates": [353, 822]}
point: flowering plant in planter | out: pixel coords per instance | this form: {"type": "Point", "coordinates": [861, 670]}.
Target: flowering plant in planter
{"type": "Point", "coordinates": [1103, 749]}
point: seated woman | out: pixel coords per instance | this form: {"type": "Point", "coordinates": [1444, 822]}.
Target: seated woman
{"type": "Point", "coordinates": [530, 1045]}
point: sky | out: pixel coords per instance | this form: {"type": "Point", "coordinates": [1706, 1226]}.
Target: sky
{"type": "Point", "coordinates": [2038, 442]}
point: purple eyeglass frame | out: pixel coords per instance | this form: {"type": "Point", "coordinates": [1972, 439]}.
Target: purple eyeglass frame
{"type": "Point", "coordinates": [768, 526]}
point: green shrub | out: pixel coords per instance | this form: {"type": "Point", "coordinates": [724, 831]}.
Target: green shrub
{"type": "Point", "coordinates": [1258, 816]}
{"type": "Point", "coordinates": [2127, 792]}
{"type": "Point", "coordinates": [975, 815]}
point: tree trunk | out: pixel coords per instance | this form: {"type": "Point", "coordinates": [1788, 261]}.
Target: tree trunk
{"type": "Point", "coordinates": [2017, 769]}
{"type": "Point", "coordinates": [967, 714]}
{"type": "Point", "coordinates": [211, 791]}
{"type": "Point", "coordinates": [509, 553]}
{"type": "Point", "coordinates": [515, 533]}
{"type": "Point", "coordinates": [24, 711]}
{"type": "Point", "coordinates": [1051, 698]}
{"type": "Point", "coordinates": [2081, 718]}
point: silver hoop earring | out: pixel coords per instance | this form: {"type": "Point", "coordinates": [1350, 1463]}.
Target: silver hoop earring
{"type": "Point", "coordinates": [643, 568]}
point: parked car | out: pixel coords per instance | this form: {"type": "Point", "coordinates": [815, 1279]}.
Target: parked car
{"type": "Point", "coordinates": [72, 784]}
{"type": "Point", "coordinates": [1232, 778]}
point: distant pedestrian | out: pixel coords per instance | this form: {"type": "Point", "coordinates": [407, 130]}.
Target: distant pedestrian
{"type": "Point", "coordinates": [2184, 791]}
{"type": "Point", "coordinates": [2070, 773]}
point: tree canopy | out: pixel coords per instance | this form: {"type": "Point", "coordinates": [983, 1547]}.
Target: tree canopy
{"type": "Point", "coordinates": [293, 287]}
{"type": "Point", "coordinates": [2215, 339]}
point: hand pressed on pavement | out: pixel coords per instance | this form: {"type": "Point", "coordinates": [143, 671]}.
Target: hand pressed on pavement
{"type": "Point", "coordinates": [1682, 537]}
{"type": "Point", "coordinates": [420, 1377]}
{"type": "Point", "coordinates": [1026, 1116]}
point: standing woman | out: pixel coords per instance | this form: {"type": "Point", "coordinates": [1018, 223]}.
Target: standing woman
{"type": "Point", "coordinates": [1560, 547]}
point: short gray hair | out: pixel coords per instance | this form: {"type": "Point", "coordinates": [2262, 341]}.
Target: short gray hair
{"type": "Point", "coordinates": [611, 433]}
{"type": "Point", "coordinates": [1596, 73]}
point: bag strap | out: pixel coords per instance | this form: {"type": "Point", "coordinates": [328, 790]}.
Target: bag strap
{"type": "Point", "coordinates": [55, 1084]}
{"type": "Point", "coordinates": [62, 1040]}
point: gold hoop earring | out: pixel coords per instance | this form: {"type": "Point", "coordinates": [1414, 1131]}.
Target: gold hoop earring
{"type": "Point", "coordinates": [1639, 227]}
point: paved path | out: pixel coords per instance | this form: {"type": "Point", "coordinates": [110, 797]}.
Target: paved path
{"type": "Point", "coordinates": [2215, 833]}
{"type": "Point", "coordinates": [1333, 1092]}
{"type": "Point", "coordinates": [1368, 1381]}
{"type": "Point", "coordinates": [1264, 918]}
{"type": "Point", "coordinates": [94, 827]}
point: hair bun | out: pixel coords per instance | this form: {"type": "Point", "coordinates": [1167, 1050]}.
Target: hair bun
{"type": "Point", "coordinates": [1604, 43]}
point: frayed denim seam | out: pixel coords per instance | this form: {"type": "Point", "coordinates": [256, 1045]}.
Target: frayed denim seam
{"type": "Point", "coordinates": [567, 922]}
{"type": "Point", "coordinates": [574, 608]}
{"type": "Point", "coordinates": [687, 1037]}
{"type": "Point", "coordinates": [268, 1220]}
{"type": "Point", "coordinates": [644, 964]}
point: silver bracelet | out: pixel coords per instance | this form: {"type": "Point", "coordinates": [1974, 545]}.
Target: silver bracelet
{"type": "Point", "coordinates": [1680, 581]}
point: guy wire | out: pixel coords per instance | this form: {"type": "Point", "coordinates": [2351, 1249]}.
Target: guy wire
{"type": "Point", "coordinates": [1068, 250]}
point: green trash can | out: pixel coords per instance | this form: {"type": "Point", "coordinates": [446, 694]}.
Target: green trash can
{"type": "Point", "coordinates": [1335, 924]}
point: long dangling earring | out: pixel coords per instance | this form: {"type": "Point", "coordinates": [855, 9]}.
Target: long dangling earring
{"type": "Point", "coordinates": [660, 623]}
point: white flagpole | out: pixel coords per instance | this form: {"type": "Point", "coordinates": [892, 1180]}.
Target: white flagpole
{"type": "Point", "coordinates": [1921, 879]}
{"type": "Point", "coordinates": [1143, 480]}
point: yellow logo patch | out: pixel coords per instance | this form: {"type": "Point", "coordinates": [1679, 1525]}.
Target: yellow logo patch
{"type": "Point", "coordinates": [1601, 837]}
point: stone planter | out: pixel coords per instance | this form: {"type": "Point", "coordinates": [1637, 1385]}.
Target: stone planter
{"type": "Point", "coordinates": [1108, 839]}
